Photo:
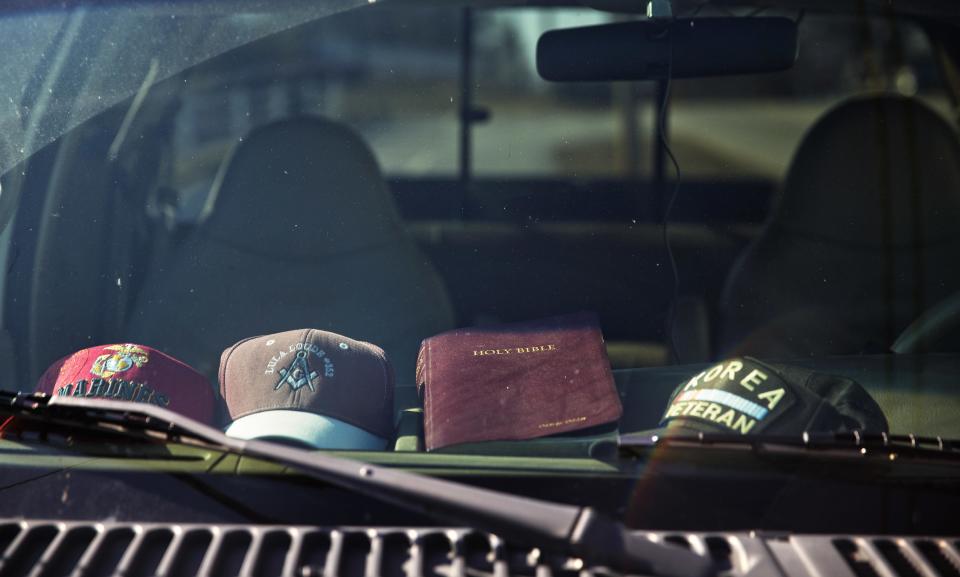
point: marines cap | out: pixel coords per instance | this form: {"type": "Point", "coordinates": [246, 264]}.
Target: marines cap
{"type": "Point", "coordinates": [309, 386]}
{"type": "Point", "coordinates": [130, 372]}
{"type": "Point", "coordinates": [745, 396]}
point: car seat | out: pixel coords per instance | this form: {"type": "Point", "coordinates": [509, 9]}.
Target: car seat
{"type": "Point", "coordinates": [301, 231]}
{"type": "Point", "coordinates": [862, 240]}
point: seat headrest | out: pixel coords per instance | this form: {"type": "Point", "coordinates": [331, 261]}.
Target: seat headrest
{"type": "Point", "coordinates": [299, 188]}
{"type": "Point", "coordinates": [875, 171]}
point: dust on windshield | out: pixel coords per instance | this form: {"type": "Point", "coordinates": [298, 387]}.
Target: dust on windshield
{"type": "Point", "coordinates": [381, 229]}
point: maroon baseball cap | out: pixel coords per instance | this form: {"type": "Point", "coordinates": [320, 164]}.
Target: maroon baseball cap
{"type": "Point", "coordinates": [309, 386]}
{"type": "Point", "coordinates": [130, 372]}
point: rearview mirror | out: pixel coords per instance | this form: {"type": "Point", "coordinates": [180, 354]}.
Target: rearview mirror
{"type": "Point", "coordinates": [641, 50]}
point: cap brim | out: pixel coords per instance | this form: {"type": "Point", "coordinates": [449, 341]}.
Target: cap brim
{"type": "Point", "coordinates": [311, 429]}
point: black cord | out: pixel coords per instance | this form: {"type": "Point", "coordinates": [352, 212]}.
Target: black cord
{"type": "Point", "coordinates": [669, 208]}
{"type": "Point", "coordinates": [698, 8]}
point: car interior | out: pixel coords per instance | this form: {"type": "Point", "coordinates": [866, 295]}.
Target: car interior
{"type": "Point", "coordinates": [887, 206]}
{"type": "Point", "coordinates": [204, 227]}
{"type": "Point", "coordinates": [362, 274]}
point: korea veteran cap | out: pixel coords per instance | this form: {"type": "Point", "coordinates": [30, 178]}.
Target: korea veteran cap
{"type": "Point", "coordinates": [309, 386]}
{"type": "Point", "coordinates": [130, 372]}
{"type": "Point", "coordinates": [745, 396]}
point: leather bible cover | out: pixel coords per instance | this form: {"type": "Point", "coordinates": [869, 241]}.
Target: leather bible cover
{"type": "Point", "coordinates": [515, 382]}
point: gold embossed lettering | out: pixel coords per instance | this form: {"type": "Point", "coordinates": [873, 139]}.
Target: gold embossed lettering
{"type": "Point", "coordinates": [516, 350]}
{"type": "Point", "coordinates": [569, 421]}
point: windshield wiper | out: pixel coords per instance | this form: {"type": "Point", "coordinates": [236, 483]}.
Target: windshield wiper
{"type": "Point", "coordinates": [580, 532]}
{"type": "Point", "coordinates": [855, 442]}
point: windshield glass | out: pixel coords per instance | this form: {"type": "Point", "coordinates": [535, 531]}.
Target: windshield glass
{"type": "Point", "coordinates": [374, 226]}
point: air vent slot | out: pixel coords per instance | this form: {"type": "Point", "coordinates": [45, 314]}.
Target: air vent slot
{"type": "Point", "coordinates": [272, 554]}
{"type": "Point", "coordinates": [189, 555]}
{"type": "Point", "coordinates": [897, 559]}
{"type": "Point", "coordinates": [68, 553]}
{"type": "Point", "coordinates": [233, 550]}
{"type": "Point", "coordinates": [437, 555]}
{"type": "Point", "coordinates": [150, 553]}
{"type": "Point", "coordinates": [720, 551]}
{"type": "Point", "coordinates": [938, 558]}
{"type": "Point", "coordinates": [396, 559]}
{"type": "Point", "coordinates": [8, 532]}
{"type": "Point", "coordinates": [678, 540]}
{"type": "Point", "coordinates": [352, 562]}
{"type": "Point", "coordinates": [313, 554]}
{"type": "Point", "coordinates": [477, 554]}
{"type": "Point", "coordinates": [29, 550]}
{"type": "Point", "coordinates": [521, 561]}
{"type": "Point", "coordinates": [857, 560]}
{"type": "Point", "coordinates": [110, 552]}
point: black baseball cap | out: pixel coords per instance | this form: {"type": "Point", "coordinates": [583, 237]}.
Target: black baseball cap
{"type": "Point", "coordinates": [749, 397]}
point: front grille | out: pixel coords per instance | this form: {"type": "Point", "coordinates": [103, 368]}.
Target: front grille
{"type": "Point", "coordinates": [900, 557]}
{"type": "Point", "coordinates": [54, 549]}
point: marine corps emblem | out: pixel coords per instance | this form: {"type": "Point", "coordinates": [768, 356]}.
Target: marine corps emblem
{"type": "Point", "coordinates": [124, 358]}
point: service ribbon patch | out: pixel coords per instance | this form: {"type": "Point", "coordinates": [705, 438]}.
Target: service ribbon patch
{"type": "Point", "coordinates": [737, 395]}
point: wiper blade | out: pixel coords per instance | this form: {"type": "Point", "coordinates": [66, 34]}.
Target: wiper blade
{"type": "Point", "coordinates": [580, 532]}
{"type": "Point", "coordinates": [855, 441]}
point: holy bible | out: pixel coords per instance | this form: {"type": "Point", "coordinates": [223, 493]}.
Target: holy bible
{"type": "Point", "coordinates": [516, 381]}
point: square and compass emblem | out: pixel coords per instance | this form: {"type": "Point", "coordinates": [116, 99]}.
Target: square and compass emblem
{"type": "Point", "coordinates": [298, 374]}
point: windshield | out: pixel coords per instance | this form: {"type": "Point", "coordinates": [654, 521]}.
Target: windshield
{"type": "Point", "coordinates": [374, 226]}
